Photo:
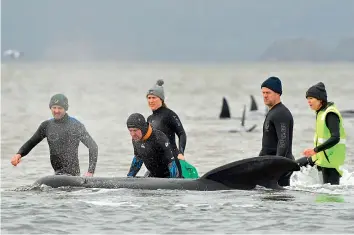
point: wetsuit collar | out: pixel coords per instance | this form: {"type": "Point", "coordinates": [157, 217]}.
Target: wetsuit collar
{"type": "Point", "coordinates": [148, 133]}
{"type": "Point", "coordinates": [325, 106]}
{"type": "Point", "coordinates": [158, 110]}
{"type": "Point", "coordinates": [275, 105]}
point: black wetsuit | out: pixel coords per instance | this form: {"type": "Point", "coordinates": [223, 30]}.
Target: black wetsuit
{"type": "Point", "coordinates": [155, 153]}
{"type": "Point", "coordinates": [167, 121]}
{"type": "Point", "coordinates": [330, 175]}
{"type": "Point", "coordinates": [63, 137]}
{"type": "Point", "coordinates": [278, 136]}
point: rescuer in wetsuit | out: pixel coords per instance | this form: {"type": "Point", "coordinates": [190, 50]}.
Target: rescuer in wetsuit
{"type": "Point", "coordinates": [64, 134]}
{"type": "Point", "coordinates": [152, 148]}
{"type": "Point", "coordinates": [167, 121]}
{"type": "Point", "coordinates": [278, 125]}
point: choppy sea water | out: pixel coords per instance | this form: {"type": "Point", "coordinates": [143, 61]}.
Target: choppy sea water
{"type": "Point", "coordinates": [102, 95]}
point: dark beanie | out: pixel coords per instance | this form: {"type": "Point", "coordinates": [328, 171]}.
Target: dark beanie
{"type": "Point", "coordinates": [274, 84]}
{"type": "Point", "coordinates": [60, 100]}
{"type": "Point", "coordinates": [137, 120]}
{"type": "Point", "coordinates": [317, 91]}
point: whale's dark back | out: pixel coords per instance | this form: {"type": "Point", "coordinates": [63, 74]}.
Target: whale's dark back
{"type": "Point", "coordinates": [243, 174]}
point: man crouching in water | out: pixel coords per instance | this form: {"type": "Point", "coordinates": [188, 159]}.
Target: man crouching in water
{"type": "Point", "coordinates": [152, 148]}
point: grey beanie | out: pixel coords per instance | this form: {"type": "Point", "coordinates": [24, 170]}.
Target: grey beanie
{"type": "Point", "coordinates": [157, 90]}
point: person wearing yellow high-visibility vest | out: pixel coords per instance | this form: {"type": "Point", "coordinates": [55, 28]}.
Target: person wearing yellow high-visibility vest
{"type": "Point", "coordinates": [330, 150]}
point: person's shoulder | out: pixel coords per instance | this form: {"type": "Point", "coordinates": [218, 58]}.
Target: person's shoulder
{"type": "Point", "coordinates": [281, 113]}
{"type": "Point", "coordinates": [287, 110]}
{"type": "Point", "coordinates": [149, 117]}
{"type": "Point", "coordinates": [46, 122]}
{"type": "Point", "coordinates": [171, 112]}
{"type": "Point", "coordinates": [332, 115]}
{"type": "Point", "coordinates": [75, 119]}
{"type": "Point", "coordinates": [51, 119]}
{"type": "Point", "coordinates": [173, 115]}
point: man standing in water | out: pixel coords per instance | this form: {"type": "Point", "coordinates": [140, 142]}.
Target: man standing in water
{"type": "Point", "coordinates": [64, 135]}
{"type": "Point", "coordinates": [278, 125]}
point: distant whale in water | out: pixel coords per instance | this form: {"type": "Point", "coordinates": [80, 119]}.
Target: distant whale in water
{"type": "Point", "coordinates": [245, 174]}
{"type": "Point", "coordinates": [225, 109]}
{"type": "Point", "coordinates": [254, 105]}
{"type": "Point", "coordinates": [226, 114]}
{"type": "Point", "coordinates": [243, 127]}
{"type": "Point", "coordinates": [347, 113]}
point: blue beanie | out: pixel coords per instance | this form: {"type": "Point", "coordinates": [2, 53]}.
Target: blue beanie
{"type": "Point", "coordinates": [274, 84]}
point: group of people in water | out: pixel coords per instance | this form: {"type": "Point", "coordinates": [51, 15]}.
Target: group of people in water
{"type": "Point", "coordinates": [329, 150]}
{"type": "Point", "coordinates": [154, 141]}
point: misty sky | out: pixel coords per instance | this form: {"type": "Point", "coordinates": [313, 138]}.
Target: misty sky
{"type": "Point", "coordinates": [173, 30]}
